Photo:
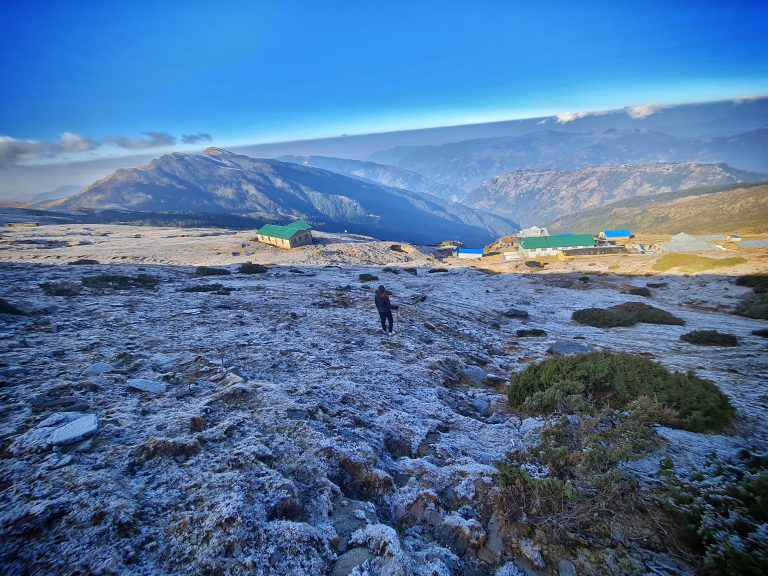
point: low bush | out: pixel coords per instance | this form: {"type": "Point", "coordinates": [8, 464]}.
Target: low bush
{"type": "Point", "coordinates": [639, 292]}
{"type": "Point", "coordinates": [203, 288]}
{"type": "Point", "coordinates": [525, 333]}
{"type": "Point", "coordinates": [722, 513]}
{"type": "Point", "coordinates": [758, 282]}
{"type": "Point", "coordinates": [8, 308]}
{"type": "Point", "coordinates": [83, 262]}
{"type": "Point", "coordinates": [709, 338]}
{"type": "Point", "coordinates": [250, 268]}
{"type": "Point", "coordinates": [573, 482]}
{"type": "Point", "coordinates": [207, 271]}
{"type": "Point", "coordinates": [60, 289]}
{"type": "Point", "coordinates": [367, 277]}
{"type": "Point", "coordinates": [754, 307]}
{"type": "Point", "coordinates": [119, 282]}
{"type": "Point", "coordinates": [602, 318]}
{"type": "Point", "coordinates": [648, 314]}
{"type": "Point", "coordinates": [611, 379]}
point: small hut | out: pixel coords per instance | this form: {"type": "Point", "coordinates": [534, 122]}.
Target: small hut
{"type": "Point", "coordinates": [296, 234]}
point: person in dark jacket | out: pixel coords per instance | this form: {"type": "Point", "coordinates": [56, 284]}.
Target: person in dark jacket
{"type": "Point", "coordinates": [385, 309]}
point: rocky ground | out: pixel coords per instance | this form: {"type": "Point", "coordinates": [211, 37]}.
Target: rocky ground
{"type": "Point", "coordinates": [269, 427]}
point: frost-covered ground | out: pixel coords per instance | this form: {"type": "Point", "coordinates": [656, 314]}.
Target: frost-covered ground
{"type": "Point", "coordinates": [276, 430]}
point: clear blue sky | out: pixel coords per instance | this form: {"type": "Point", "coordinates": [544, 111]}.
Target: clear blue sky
{"type": "Point", "coordinates": [108, 72]}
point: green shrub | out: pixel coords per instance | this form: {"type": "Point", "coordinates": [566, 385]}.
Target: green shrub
{"type": "Point", "coordinates": [602, 318]}
{"type": "Point", "coordinates": [525, 333]}
{"type": "Point", "coordinates": [203, 288]}
{"type": "Point", "coordinates": [250, 268]}
{"type": "Point", "coordinates": [207, 271]}
{"type": "Point", "coordinates": [759, 282]}
{"type": "Point", "coordinates": [564, 482]}
{"type": "Point", "coordinates": [60, 289]}
{"type": "Point", "coordinates": [722, 512]}
{"type": "Point", "coordinates": [640, 292]}
{"type": "Point", "coordinates": [648, 314]}
{"type": "Point", "coordinates": [754, 307]}
{"type": "Point", "coordinates": [710, 338]}
{"type": "Point", "coordinates": [119, 282]}
{"type": "Point", "coordinates": [83, 262]}
{"type": "Point", "coordinates": [613, 379]}
{"type": "Point", "coordinates": [8, 308]}
{"type": "Point", "coordinates": [367, 277]}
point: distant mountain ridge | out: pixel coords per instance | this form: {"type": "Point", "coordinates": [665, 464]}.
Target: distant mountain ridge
{"type": "Point", "coordinates": [468, 163]}
{"type": "Point", "coordinates": [541, 196]}
{"type": "Point", "coordinates": [378, 173]}
{"type": "Point", "coordinates": [220, 182]}
{"type": "Point", "coordinates": [739, 209]}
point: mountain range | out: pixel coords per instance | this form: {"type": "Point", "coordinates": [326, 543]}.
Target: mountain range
{"type": "Point", "coordinates": [468, 163]}
{"type": "Point", "coordinates": [218, 181]}
{"type": "Point", "coordinates": [378, 173]}
{"type": "Point", "coordinates": [541, 196]}
{"type": "Point", "coordinates": [738, 209]}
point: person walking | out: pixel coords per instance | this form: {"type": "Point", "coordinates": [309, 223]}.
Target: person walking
{"type": "Point", "coordinates": [385, 309]}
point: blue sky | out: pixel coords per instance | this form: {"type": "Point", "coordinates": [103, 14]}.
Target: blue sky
{"type": "Point", "coordinates": [126, 76]}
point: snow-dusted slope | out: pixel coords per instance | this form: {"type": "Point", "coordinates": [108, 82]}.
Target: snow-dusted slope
{"type": "Point", "coordinates": [292, 436]}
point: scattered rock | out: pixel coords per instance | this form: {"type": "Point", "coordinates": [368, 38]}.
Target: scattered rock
{"type": "Point", "coordinates": [460, 534]}
{"type": "Point", "coordinates": [516, 313]}
{"type": "Point", "coordinates": [151, 386]}
{"type": "Point", "coordinates": [566, 348]}
{"type": "Point", "coordinates": [493, 550]}
{"type": "Point", "coordinates": [350, 560]}
{"type": "Point", "coordinates": [98, 369]}
{"type": "Point", "coordinates": [532, 332]}
{"type": "Point", "coordinates": [566, 568]}
{"type": "Point", "coordinates": [531, 551]}
{"type": "Point", "coordinates": [472, 376]}
{"type": "Point", "coordinates": [250, 268]}
{"type": "Point", "coordinates": [75, 430]}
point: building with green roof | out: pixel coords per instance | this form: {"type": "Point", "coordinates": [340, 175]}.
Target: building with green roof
{"type": "Point", "coordinates": [552, 245]}
{"type": "Point", "coordinates": [292, 235]}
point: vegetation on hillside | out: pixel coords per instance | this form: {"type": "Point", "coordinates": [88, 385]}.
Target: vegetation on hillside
{"type": "Point", "coordinates": [626, 314]}
{"type": "Point", "coordinates": [690, 263]}
{"type": "Point", "coordinates": [741, 208]}
{"type": "Point", "coordinates": [574, 487]}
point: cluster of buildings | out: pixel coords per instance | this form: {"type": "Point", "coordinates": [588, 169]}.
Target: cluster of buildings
{"type": "Point", "coordinates": [536, 242]}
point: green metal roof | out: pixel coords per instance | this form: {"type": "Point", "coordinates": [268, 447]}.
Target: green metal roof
{"type": "Point", "coordinates": [534, 242]}
{"type": "Point", "coordinates": [282, 232]}
{"type": "Point", "coordinates": [299, 225]}
{"type": "Point", "coordinates": [541, 242]}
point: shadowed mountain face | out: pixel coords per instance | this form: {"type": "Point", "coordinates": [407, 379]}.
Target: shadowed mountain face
{"type": "Point", "coordinates": [378, 173]}
{"type": "Point", "coordinates": [741, 209]}
{"type": "Point", "coordinates": [217, 181]}
{"type": "Point", "coordinates": [466, 164]}
{"type": "Point", "coordinates": [541, 196]}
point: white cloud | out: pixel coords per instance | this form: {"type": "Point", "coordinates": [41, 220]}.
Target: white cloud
{"type": "Point", "coordinates": [566, 117]}
{"type": "Point", "coordinates": [195, 138]}
{"type": "Point", "coordinates": [13, 150]}
{"type": "Point", "coordinates": [150, 140]}
{"type": "Point", "coordinates": [71, 142]}
{"type": "Point", "coordinates": [642, 111]}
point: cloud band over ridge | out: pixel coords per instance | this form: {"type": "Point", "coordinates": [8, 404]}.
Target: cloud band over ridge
{"type": "Point", "coordinates": [13, 150]}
